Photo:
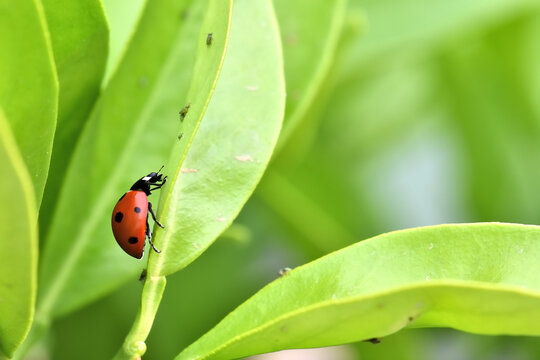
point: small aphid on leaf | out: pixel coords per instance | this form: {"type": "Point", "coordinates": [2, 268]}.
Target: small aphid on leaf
{"type": "Point", "coordinates": [180, 136]}
{"type": "Point", "coordinates": [184, 111]}
{"type": "Point", "coordinates": [142, 277]}
{"type": "Point", "coordinates": [374, 340]}
{"type": "Point", "coordinates": [284, 271]}
{"type": "Point", "coordinates": [209, 39]}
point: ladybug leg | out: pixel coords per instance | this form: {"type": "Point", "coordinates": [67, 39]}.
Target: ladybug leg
{"type": "Point", "coordinates": [153, 247]}
{"type": "Point", "coordinates": [158, 186]}
{"type": "Point", "coordinates": [148, 233]}
{"type": "Point", "coordinates": [149, 236]}
{"type": "Point", "coordinates": [154, 215]}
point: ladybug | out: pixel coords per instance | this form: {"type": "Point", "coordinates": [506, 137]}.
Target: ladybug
{"type": "Point", "coordinates": [130, 215]}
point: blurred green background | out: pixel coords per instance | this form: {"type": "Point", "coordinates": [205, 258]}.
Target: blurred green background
{"type": "Point", "coordinates": [430, 114]}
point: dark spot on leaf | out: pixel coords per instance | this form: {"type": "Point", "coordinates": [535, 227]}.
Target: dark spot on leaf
{"type": "Point", "coordinates": [184, 111]}
{"type": "Point", "coordinates": [133, 240]}
{"type": "Point", "coordinates": [142, 277]}
{"type": "Point", "coordinates": [118, 217]}
{"type": "Point", "coordinates": [374, 340]}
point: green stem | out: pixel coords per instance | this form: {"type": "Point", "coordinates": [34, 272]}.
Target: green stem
{"type": "Point", "coordinates": [134, 345]}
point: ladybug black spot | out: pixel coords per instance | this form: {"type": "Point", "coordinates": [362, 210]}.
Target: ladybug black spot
{"type": "Point", "coordinates": [137, 209]}
{"type": "Point", "coordinates": [118, 217]}
{"type": "Point", "coordinates": [133, 240]}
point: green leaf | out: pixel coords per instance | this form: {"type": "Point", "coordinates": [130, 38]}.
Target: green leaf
{"type": "Point", "coordinates": [122, 17]}
{"type": "Point", "coordinates": [226, 157]}
{"type": "Point", "coordinates": [18, 244]}
{"type": "Point", "coordinates": [304, 33]}
{"type": "Point", "coordinates": [28, 85]}
{"type": "Point", "coordinates": [212, 43]}
{"type": "Point", "coordinates": [233, 146]}
{"type": "Point", "coordinates": [80, 54]}
{"type": "Point", "coordinates": [480, 278]}
{"type": "Point", "coordinates": [131, 132]}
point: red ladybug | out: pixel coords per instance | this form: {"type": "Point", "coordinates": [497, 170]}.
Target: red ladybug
{"type": "Point", "coordinates": [130, 215]}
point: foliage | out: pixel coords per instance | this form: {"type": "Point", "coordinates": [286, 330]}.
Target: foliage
{"type": "Point", "coordinates": [339, 121]}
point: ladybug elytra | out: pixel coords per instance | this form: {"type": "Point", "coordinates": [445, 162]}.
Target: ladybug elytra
{"type": "Point", "coordinates": [130, 215]}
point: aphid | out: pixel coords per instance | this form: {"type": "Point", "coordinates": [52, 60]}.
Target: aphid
{"type": "Point", "coordinates": [130, 215]}
{"type": "Point", "coordinates": [374, 340]}
{"type": "Point", "coordinates": [142, 277]}
{"type": "Point", "coordinates": [184, 111]}
{"type": "Point", "coordinates": [284, 271]}
{"type": "Point", "coordinates": [209, 39]}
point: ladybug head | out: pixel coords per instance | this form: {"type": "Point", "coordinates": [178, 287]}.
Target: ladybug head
{"type": "Point", "coordinates": [144, 184]}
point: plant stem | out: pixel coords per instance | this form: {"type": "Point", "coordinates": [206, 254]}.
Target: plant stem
{"type": "Point", "coordinates": [134, 345]}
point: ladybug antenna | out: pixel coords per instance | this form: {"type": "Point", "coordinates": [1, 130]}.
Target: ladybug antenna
{"type": "Point", "coordinates": [160, 169]}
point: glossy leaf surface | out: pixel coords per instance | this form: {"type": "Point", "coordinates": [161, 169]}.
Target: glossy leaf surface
{"type": "Point", "coordinates": [479, 278]}
{"type": "Point", "coordinates": [130, 134]}
{"type": "Point", "coordinates": [18, 244]}
{"type": "Point", "coordinates": [233, 145]}
{"type": "Point", "coordinates": [28, 85]}
{"type": "Point", "coordinates": [304, 33]}
{"type": "Point", "coordinates": [80, 53]}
